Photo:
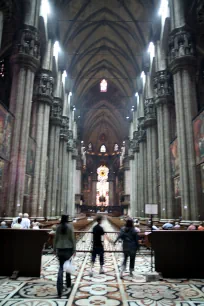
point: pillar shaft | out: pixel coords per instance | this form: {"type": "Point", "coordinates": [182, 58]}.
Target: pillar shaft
{"type": "Point", "coordinates": [25, 62]}
{"type": "Point", "coordinates": [182, 63]}
{"type": "Point", "coordinates": [52, 201]}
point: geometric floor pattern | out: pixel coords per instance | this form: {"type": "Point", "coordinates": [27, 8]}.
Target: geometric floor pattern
{"type": "Point", "coordinates": [101, 289]}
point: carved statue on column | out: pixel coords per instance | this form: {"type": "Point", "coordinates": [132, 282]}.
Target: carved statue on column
{"type": "Point", "coordinates": [27, 48]}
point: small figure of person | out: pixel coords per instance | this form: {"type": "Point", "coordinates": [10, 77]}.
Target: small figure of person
{"type": "Point", "coordinates": [98, 249]}
{"type": "Point", "coordinates": [155, 228]}
{"type": "Point", "coordinates": [191, 227]}
{"type": "Point", "coordinates": [3, 225]}
{"type": "Point", "coordinates": [18, 224]}
{"type": "Point", "coordinates": [177, 225]}
{"type": "Point", "coordinates": [15, 220]}
{"type": "Point", "coordinates": [129, 237]}
{"type": "Point", "coordinates": [35, 224]}
{"type": "Point", "coordinates": [65, 247]}
{"type": "Point", "coordinates": [25, 221]}
{"type": "Point", "coordinates": [167, 226]}
{"type": "Point", "coordinates": [201, 226]}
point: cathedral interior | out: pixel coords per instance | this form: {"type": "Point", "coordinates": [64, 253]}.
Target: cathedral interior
{"type": "Point", "coordinates": [102, 113]}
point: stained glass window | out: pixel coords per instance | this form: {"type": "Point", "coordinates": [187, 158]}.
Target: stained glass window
{"type": "Point", "coordinates": [103, 86]}
{"type": "Point", "coordinates": [103, 149]}
{"type": "Point", "coordinates": [116, 147]}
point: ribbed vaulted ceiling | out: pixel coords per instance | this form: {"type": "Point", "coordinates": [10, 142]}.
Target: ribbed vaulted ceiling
{"type": "Point", "coordinates": [104, 39]}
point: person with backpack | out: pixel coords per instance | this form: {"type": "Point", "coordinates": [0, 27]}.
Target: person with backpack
{"type": "Point", "coordinates": [64, 247]}
{"type": "Point", "coordinates": [129, 237]}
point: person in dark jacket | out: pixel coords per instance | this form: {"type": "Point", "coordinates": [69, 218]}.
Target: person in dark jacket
{"type": "Point", "coordinates": [129, 236]}
{"type": "Point", "coordinates": [64, 246]}
{"type": "Point", "coordinates": [98, 232]}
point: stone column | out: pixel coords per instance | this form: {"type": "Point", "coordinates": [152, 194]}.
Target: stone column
{"type": "Point", "coordinates": [151, 134]}
{"type": "Point", "coordinates": [53, 156]}
{"type": "Point", "coordinates": [52, 200]}
{"type": "Point", "coordinates": [111, 179]}
{"type": "Point", "coordinates": [70, 203]}
{"type": "Point", "coordinates": [73, 187]}
{"type": "Point", "coordinates": [63, 165]}
{"type": "Point", "coordinates": [94, 181]}
{"type": "Point", "coordinates": [163, 100]}
{"type": "Point", "coordinates": [132, 184]}
{"type": "Point", "coordinates": [182, 62]}
{"type": "Point", "coordinates": [43, 97]}
{"type": "Point", "coordinates": [25, 61]}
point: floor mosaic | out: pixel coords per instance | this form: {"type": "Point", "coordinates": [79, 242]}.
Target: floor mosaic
{"type": "Point", "coordinates": [100, 289]}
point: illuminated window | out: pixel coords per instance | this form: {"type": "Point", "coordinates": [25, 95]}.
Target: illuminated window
{"type": "Point", "coordinates": [103, 149]}
{"type": "Point", "coordinates": [103, 86]}
{"type": "Point", "coordinates": [116, 147]}
{"type": "Point", "coordinates": [102, 187]}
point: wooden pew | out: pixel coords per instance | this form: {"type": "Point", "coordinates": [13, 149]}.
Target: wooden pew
{"type": "Point", "coordinates": [21, 251]}
{"type": "Point", "coordinates": [179, 254]}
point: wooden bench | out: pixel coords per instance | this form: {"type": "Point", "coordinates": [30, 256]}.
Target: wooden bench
{"type": "Point", "coordinates": [21, 251]}
{"type": "Point", "coordinates": [179, 254]}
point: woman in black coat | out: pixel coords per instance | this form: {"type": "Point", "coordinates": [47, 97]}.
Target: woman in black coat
{"type": "Point", "coordinates": [129, 237]}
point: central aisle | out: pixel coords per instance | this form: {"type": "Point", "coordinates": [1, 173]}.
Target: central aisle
{"type": "Point", "coordinates": [101, 289]}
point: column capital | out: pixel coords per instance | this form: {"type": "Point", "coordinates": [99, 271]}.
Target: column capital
{"type": "Point", "coordinates": [64, 128]}
{"type": "Point", "coordinates": [43, 87]}
{"type": "Point", "coordinates": [150, 113]}
{"type": "Point", "coordinates": [56, 111]}
{"type": "Point", "coordinates": [141, 131]}
{"type": "Point", "coordinates": [74, 149]}
{"type": "Point", "coordinates": [181, 49]}
{"type": "Point", "coordinates": [163, 87]}
{"type": "Point", "coordinates": [27, 48]}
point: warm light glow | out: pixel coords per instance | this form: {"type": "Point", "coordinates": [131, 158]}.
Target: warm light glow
{"type": "Point", "coordinates": [103, 149]}
{"type": "Point", "coordinates": [163, 10]}
{"type": "Point", "coordinates": [45, 9]}
{"type": "Point", "coordinates": [143, 76]}
{"type": "Point", "coordinates": [103, 86]}
{"type": "Point", "coordinates": [151, 50]}
{"type": "Point", "coordinates": [64, 75]}
{"type": "Point", "coordinates": [56, 49]}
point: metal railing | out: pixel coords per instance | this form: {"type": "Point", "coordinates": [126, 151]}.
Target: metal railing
{"type": "Point", "coordinates": [86, 244]}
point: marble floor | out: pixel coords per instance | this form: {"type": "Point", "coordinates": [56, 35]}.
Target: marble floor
{"type": "Point", "coordinates": [101, 289]}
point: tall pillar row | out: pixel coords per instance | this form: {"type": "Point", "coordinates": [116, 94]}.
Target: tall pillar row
{"type": "Point", "coordinates": [182, 63]}
{"type": "Point", "coordinates": [63, 164]}
{"type": "Point", "coordinates": [142, 168]}
{"type": "Point", "coordinates": [43, 97]}
{"type": "Point", "coordinates": [25, 62]}
{"type": "Point", "coordinates": [163, 89]}
{"type": "Point", "coordinates": [53, 205]}
{"type": "Point", "coordinates": [151, 138]}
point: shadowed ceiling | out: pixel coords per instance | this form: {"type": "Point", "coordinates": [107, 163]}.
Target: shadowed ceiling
{"type": "Point", "coordinates": [104, 39]}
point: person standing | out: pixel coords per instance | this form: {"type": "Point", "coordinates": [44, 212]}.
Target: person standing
{"type": "Point", "coordinates": [3, 225]}
{"type": "Point", "coordinates": [98, 249]}
{"type": "Point", "coordinates": [18, 224]}
{"type": "Point", "coordinates": [129, 237]}
{"type": "Point", "coordinates": [64, 247]}
{"type": "Point", "coordinates": [25, 221]}
{"type": "Point", "coordinates": [15, 220]}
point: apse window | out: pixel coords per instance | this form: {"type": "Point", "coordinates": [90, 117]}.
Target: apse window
{"type": "Point", "coordinates": [116, 147]}
{"type": "Point", "coordinates": [103, 149]}
{"type": "Point", "coordinates": [103, 86]}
